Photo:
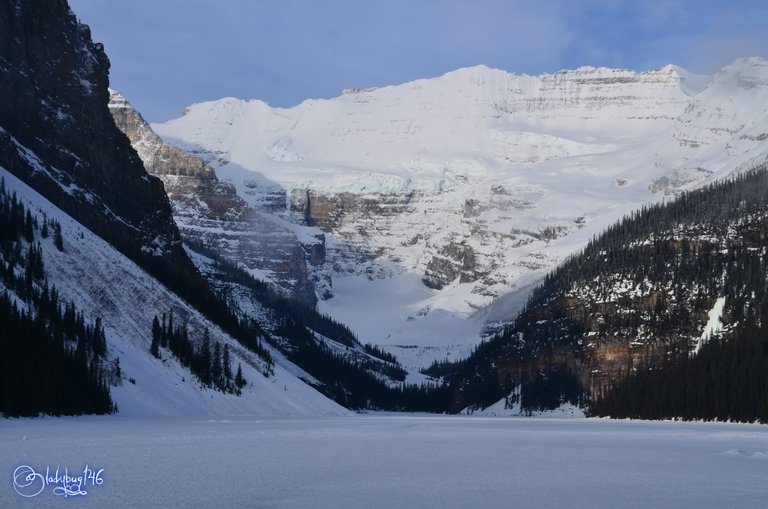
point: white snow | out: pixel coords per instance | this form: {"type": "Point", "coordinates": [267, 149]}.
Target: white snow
{"type": "Point", "coordinates": [393, 461]}
{"type": "Point", "coordinates": [714, 323]}
{"type": "Point", "coordinates": [396, 314]}
{"type": "Point", "coordinates": [431, 133]}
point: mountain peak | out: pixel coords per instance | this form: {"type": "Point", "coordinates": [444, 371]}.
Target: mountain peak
{"type": "Point", "coordinates": [690, 83]}
{"type": "Point", "coordinates": [747, 66]}
{"type": "Point", "coordinates": [749, 62]}
{"type": "Point", "coordinates": [476, 69]}
{"type": "Point", "coordinates": [745, 73]}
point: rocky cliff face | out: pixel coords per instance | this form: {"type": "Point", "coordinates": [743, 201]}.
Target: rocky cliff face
{"type": "Point", "coordinates": [211, 215]}
{"type": "Point", "coordinates": [57, 135]}
{"type": "Point", "coordinates": [469, 243]}
{"type": "Point", "coordinates": [194, 181]}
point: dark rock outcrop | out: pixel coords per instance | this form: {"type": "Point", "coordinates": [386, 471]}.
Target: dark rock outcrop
{"type": "Point", "coordinates": [57, 135]}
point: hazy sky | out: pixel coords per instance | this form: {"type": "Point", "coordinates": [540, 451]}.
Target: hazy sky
{"type": "Point", "coordinates": [167, 54]}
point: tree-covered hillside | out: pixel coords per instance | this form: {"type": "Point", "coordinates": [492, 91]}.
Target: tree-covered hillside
{"type": "Point", "coordinates": [53, 361]}
{"type": "Point", "coordinates": [646, 295]}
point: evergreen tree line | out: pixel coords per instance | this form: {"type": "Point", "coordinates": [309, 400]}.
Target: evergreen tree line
{"type": "Point", "coordinates": [355, 384]}
{"type": "Point", "coordinates": [53, 359]}
{"type": "Point", "coordinates": [299, 321]}
{"type": "Point", "coordinates": [229, 274]}
{"type": "Point", "coordinates": [474, 382]}
{"type": "Point", "coordinates": [478, 382]}
{"type": "Point", "coordinates": [681, 256]}
{"type": "Point", "coordinates": [198, 293]}
{"type": "Point", "coordinates": [211, 365]}
{"type": "Point", "coordinates": [726, 380]}
{"type": "Point", "coordinates": [714, 208]}
{"type": "Point", "coordinates": [548, 388]}
{"type": "Point", "coordinates": [377, 352]}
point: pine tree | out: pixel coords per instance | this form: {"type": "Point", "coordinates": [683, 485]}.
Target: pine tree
{"type": "Point", "coordinates": [29, 230]}
{"type": "Point", "coordinates": [226, 366]}
{"type": "Point", "coordinates": [239, 380]}
{"type": "Point", "coordinates": [157, 333]}
{"type": "Point", "coordinates": [99, 343]}
{"type": "Point", "coordinates": [216, 371]}
{"type": "Point", "coordinates": [38, 269]}
{"type": "Point", "coordinates": [58, 238]}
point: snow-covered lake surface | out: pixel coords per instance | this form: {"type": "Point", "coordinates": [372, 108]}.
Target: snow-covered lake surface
{"type": "Point", "coordinates": [390, 461]}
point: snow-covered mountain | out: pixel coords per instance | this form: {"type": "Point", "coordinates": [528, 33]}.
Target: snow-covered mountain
{"type": "Point", "coordinates": [230, 242]}
{"type": "Point", "coordinates": [99, 230]}
{"type": "Point", "coordinates": [662, 315]}
{"type": "Point", "coordinates": [439, 196]}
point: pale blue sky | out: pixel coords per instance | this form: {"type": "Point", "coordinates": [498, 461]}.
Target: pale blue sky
{"type": "Point", "coordinates": [167, 54]}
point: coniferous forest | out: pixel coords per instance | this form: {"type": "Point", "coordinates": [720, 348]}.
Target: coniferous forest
{"type": "Point", "coordinates": [53, 360]}
{"type": "Point", "coordinates": [210, 363]}
{"type": "Point", "coordinates": [682, 255]}
{"type": "Point", "coordinates": [78, 349]}
{"type": "Point", "coordinates": [726, 380]}
{"type": "Point", "coordinates": [643, 291]}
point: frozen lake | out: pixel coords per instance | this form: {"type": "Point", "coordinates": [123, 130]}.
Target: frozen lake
{"type": "Point", "coordinates": [387, 461]}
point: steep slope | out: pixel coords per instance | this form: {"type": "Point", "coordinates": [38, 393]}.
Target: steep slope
{"type": "Point", "coordinates": [53, 360]}
{"type": "Point", "coordinates": [477, 182]}
{"type": "Point", "coordinates": [104, 283]}
{"type": "Point", "coordinates": [59, 137]}
{"type": "Point", "coordinates": [56, 134]}
{"type": "Point", "coordinates": [679, 286]}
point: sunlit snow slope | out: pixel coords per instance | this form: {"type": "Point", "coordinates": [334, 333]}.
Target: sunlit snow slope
{"type": "Point", "coordinates": [441, 195]}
